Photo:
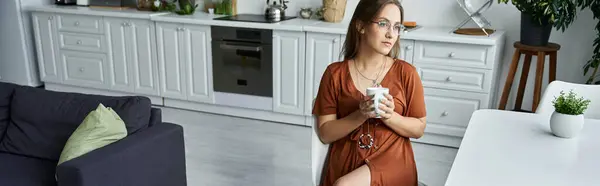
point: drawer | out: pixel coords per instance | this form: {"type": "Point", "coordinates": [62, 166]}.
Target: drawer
{"type": "Point", "coordinates": [455, 78]}
{"type": "Point", "coordinates": [449, 112]}
{"type": "Point", "coordinates": [453, 54]}
{"type": "Point", "coordinates": [82, 42]}
{"type": "Point", "coordinates": [81, 24]}
{"type": "Point", "coordinates": [84, 69]}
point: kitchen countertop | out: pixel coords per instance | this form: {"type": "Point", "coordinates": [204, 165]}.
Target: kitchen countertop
{"type": "Point", "coordinates": [81, 10]}
{"type": "Point", "coordinates": [425, 33]}
{"type": "Point", "coordinates": [296, 24]}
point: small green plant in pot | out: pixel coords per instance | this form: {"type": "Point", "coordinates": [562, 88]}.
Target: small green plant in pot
{"type": "Point", "coordinates": [567, 119]}
{"type": "Point", "coordinates": [539, 16]}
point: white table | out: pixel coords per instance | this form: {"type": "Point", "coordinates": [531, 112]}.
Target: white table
{"type": "Point", "coordinates": [507, 148]}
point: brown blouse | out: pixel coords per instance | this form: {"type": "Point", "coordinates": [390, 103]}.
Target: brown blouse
{"type": "Point", "coordinates": [391, 161]}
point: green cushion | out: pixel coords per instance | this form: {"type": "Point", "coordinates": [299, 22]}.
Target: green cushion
{"type": "Point", "coordinates": [99, 128]}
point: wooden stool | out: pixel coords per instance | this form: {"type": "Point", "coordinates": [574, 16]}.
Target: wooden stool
{"type": "Point", "coordinates": [541, 51]}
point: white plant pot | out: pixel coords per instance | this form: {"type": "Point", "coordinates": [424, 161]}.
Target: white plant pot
{"type": "Point", "coordinates": [566, 126]}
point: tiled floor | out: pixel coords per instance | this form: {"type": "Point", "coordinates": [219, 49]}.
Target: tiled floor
{"type": "Point", "coordinates": [231, 151]}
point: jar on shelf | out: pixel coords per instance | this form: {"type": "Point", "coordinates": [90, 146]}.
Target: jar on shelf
{"type": "Point", "coordinates": [144, 5]}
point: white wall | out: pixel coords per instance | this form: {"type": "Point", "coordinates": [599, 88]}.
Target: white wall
{"type": "Point", "coordinates": [576, 42]}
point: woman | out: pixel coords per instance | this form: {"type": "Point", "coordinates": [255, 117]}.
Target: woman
{"type": "Point", "coordinates": [344, 113]}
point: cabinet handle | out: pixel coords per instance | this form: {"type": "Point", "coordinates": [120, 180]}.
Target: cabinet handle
{"type": "Point", "coordinates": [79, 42]}
{"type": "Point", "coordinates": [445, 113]}
{"type": "Point", "coordinates": [335, 40]}
{"type": "Point", "coordinates": [448, 79]}
{"type": "Point", "coordinates": [452, 54]}
{"type": "Point", "coordinates": [182, 29]}
{"type": "Point", "coordinates": [128, 24]}
{"type": "Point", "coordinates": [76, 23]}
{"type": "Point", "coordinates": [408, 47]}
{"type": "Point", "coordinates": [51, 18]}
{"type": "Point", "coordinates": [124, 24]}
{"type": "Point", "coordinates": [81, 69]}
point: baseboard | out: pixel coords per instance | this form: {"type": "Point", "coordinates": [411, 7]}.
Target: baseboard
{"type": "Point", "coordinates": [237, 112]}
{"type": "Point", "coordinates": [68, 88]}
{"type": "Point", "coordinates": [439, 140]}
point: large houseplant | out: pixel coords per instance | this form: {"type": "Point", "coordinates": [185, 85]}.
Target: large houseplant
{"type": "Point", "coordinates": [538, 17]}
{"type": "Point", "coordinates": [594, 62]}
{"type": "Point", "coordinates": [567, 119]}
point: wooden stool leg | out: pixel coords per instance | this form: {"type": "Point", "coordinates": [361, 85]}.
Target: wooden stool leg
{"type": "Point", "coordinates": [539, 75]}
{"type": "Point", "coordinates": [510, 78]}
{"type": "Point", "coordinates": [523, 81]}
{"type": "Point", "coordinates": [552, 73]}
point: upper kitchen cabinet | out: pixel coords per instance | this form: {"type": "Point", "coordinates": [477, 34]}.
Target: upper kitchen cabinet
{"type": "Point", "coordinates": [288, 71]}
{"type": "Point", "coordinates": [133, 66]}
{"type": "Point", "coordinates": [321, 50]}
{"type": "Point", "coordinates": [185, 62]}
{"type": "Point", "coordinates": [45, 33]}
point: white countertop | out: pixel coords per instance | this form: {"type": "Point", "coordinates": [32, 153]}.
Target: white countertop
{"type": "Point", "coordinates": [512, 148]}
{"type": "Point", "coordinates": [125, 13]}
{"type": "Point", "coordinates": [426, 33]}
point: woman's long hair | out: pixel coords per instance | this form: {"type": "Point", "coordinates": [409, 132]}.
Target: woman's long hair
{"type": "Point", "coordinates": [365, 12]}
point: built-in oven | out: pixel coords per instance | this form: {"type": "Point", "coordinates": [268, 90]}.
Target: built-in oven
{"type": "Point", "coordinates": [242, 61]}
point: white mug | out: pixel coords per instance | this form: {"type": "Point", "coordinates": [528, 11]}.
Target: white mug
{"type": "Point", "coordinates": [377, 94]}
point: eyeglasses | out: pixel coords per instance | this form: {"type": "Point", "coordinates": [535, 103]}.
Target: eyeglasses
{"type": "Point", "coordinates": [384, 24]}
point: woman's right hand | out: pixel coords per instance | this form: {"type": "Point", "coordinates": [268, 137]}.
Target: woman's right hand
{"type": "Point", "coordinates": [366, 107]}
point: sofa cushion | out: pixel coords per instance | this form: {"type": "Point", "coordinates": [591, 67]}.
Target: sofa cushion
{"type": "Point", "coordinates": [26, 171]}
{"type": "Point", "coordinates": [101, 127]}
{"type": "Point", "coordinates": [42, 121]}
{"type": "Point", "coordinates": [6, 91]}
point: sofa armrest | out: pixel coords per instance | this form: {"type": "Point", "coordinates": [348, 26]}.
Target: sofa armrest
{"type": "Point", "coordinates": [151, 157]}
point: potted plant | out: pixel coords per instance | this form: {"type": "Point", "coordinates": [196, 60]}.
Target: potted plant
{"type": "Point", "coordinates": [593, 64]}
{"type": "Point", "coordinates": [538, 17]}
{"type": "Point", "coordinates": [567, 119]}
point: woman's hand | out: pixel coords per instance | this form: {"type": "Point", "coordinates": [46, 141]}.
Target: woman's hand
{"type": "Point", "coordinates": [387, 106]}
{"type": "Point", "coordinates": [367, 107]}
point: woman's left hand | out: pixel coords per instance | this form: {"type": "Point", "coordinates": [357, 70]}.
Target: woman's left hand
{"type": "Point", "coordinates": [387, 106]}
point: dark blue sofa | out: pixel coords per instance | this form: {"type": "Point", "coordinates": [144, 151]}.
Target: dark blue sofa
{"type": "Point", "coordinates": [36, 123]}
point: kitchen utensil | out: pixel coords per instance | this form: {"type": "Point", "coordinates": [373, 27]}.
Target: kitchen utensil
{"type": "Point", "coordinates": [275, 11]}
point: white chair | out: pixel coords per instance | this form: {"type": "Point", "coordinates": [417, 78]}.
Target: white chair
{"type": "Point", "coordinates": [318, 154]}
{"type": "Point", "coordinates": [591, 92]}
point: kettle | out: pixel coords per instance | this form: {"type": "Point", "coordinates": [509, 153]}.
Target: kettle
{"type": "Point", "coordinates": [275, 12]}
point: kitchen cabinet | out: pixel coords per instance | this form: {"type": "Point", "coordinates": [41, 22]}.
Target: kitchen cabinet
{"type": "Point", "coordinates": [288, 72]}
{"type": "Point", "coordinates": [406, 50]}
{"type": "Point", "coordinates": [321, 50]}
{"type": "Point", "coordinates": [185, 63]}
{"type": "Point", "coordinates": [132, 60]}
{"type": "Point", "coordinates": [45, 33]}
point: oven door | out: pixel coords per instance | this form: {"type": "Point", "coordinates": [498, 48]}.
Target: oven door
{"type": "Point", "coordinates": [243, 68]}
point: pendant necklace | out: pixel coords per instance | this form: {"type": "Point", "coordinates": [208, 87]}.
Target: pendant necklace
{"type": "Point", "coordinates": [375, 84]}
{"type": "Point", "coordinates": [370, 138]}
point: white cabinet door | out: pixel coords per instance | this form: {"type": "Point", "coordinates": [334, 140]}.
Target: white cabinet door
{"type": "Point", "coordinates": [84, 68]}
{"type": "Point", "coordinates": [197, 61]}
{"type": "Point", "coordinates": [321, 50]}
{"type": "Point", "coordinates": [406, 50]}
{"type": "Point", "coordinates": [119, 64]}
{"type": "Point", "coordinates": [288, 72]}
{"type": "Point", "coordinates": [170, 64]}
{"type": "Point", "coordinates": [142, 54]}
{"type": "Point", "coordinates": [44, 27]}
